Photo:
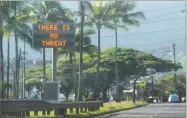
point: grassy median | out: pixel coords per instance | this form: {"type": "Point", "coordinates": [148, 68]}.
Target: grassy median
{"type": "Point", "coordinates": [107, 108]}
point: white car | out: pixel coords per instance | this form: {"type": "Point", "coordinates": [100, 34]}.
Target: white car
{"type": "Point", "coordinates": [173, 98]}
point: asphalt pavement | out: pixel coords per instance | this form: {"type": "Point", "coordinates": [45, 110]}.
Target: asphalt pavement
{"type": "Point", "coordinates": [160, 110]}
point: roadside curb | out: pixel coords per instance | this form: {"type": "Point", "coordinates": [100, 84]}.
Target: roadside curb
{"type": "Point", "coordinates": [106, 113]}
{"type": "Point", "coordinates": [109, 112]}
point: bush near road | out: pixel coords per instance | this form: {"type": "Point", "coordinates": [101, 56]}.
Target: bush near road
{"type": "Point", "coordinates": [107, 108]}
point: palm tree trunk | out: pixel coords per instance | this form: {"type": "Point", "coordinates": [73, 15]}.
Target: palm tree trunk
{"type": "Point", "coordinates": [16, 67]}
{"type": "Point", "coordinates": [24, 70]}
{"type": "Point", "coordinates": [2, 65]}
{"type": "Point", "coordinates": [116, 66]}
{"type": "Point", "coordinates": [72, 64]}
{"type": "Point", "coordinates": [22, 78]}
{"type": "Point", "coordinates": [75, 74]}
{"type": "Point", "coordinates": [44, 73]}
{"type": "Point", "coordinates": [81, 53]}
{"type": "Point", "coordinates": [16, 52]}
{"type": "Point", "coordinates": [98, 66]}
{"type": "Point", "coordinates": [8, 63]}
{"type": "Point", "coordinates": [19, 60]}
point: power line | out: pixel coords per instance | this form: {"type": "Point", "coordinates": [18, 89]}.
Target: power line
{"type": "Point", "coordinates": [156, 21]}
{"type": "Point", "coordinates": [167, 14]}
{"type": "Point", "coordinates": [144, 32]}
{"type": "Point", "coordinates": [162, 48]}
{"type": "Point", "coordinates": [163, 20]}
{"type": "Point", "coordinates": [161, 9]}
{"type": "Point", "coordinates": [168, 48]}
{"type": "Point", "coordinates": [157, 43]}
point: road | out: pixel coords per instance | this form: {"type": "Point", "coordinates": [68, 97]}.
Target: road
{"type": "Point", "coordinates": [161, 110]}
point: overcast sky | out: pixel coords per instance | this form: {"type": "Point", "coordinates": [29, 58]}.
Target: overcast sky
{"type": "Point", "coordinates": [164, 25]}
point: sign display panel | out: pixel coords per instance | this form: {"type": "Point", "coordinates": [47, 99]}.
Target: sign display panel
{"type": "Point", "coordinates": [54, 35]}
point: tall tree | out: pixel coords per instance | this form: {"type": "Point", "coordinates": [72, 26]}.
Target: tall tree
{"type": "Point", "coordinates": [81, 51]}
{"type": "Point", "coordinates": [17, 19]}
{"type": "Point", "coordinates": [121, 12]}
{"type": "Point", "coordinates": [87, 47]}
{"type": "Point", "coordinates": [98, 16]}
{"type": "Point", "coordinates": [4, 11]}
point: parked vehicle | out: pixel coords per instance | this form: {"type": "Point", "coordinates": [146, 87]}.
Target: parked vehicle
{"type": "Point", "coordinates": [173, 98]}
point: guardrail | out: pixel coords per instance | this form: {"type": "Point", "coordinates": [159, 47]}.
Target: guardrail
{"type": "Point", "coordinates": [23, 108]}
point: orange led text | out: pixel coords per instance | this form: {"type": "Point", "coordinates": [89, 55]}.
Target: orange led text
{"type": "Point", "coordinates": [66, 27]}
{"type": "Point", "coordinates": [48, 27]}
{"type": "Point", "coordinates": [50, 43]}
{"type": "Point", "coordinates": [53, 35]}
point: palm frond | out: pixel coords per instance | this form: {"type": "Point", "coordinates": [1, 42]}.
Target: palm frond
{"type": "Point", "coordinates": [126, 6]}
{"type": "Point", "coordinates": [122, 27]}
{"type": "Point", "coordinates": [25, 33]}
{"type": "Point", "coordinates": [87, 6]}
{"type": "Point", "coordinates": [137, 15]}
{"type": "Point", "coordinates": [109, 25]}
{"type": "Point", "coordinates": [131, 22]}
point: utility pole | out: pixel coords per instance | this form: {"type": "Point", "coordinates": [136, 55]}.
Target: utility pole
{"type": "Point", "coordinates": [174, 57]}
{"type": "Point", "coordinates": [116, 68]}
{"type": "Point", "coordinates": [152, 86]}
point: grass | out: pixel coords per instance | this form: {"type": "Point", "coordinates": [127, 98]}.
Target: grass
{"type": "Point", "coordinates": [107, 108]}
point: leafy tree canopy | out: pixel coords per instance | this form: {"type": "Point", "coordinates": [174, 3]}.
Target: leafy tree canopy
{"type": "Point", "coordinates": [169, 84]}
{"type": "Point", "coordinates": [129, 61]}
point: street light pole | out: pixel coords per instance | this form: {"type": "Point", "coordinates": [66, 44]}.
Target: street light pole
{"type": "Point", "coordinates": [81, 52]}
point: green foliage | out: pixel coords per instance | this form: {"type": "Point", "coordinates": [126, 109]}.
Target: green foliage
{"type": "Point", "coordinates": [169, 84]}
{"type": "Point", "coordinates": [129, 61]}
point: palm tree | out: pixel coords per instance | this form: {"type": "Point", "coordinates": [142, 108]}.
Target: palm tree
{"type": "Point", "coordinates": [81, 51]}
{"type": "Point", "coordinates": [87, 47]}
{"type": "Point", "coordinates": [98, 16]}
{"type": "Point", "coordinates": [121, 12]}
{"type": "Point", "coordinates": [17, 20]}
{"type": "Point", "coordinates": [3, 13]}
{"type": "Point", "coordinates": [83, 44]}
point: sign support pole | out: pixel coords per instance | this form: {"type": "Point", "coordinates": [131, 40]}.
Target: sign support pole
{"type": "Point", "coordinates": [54, 60]}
